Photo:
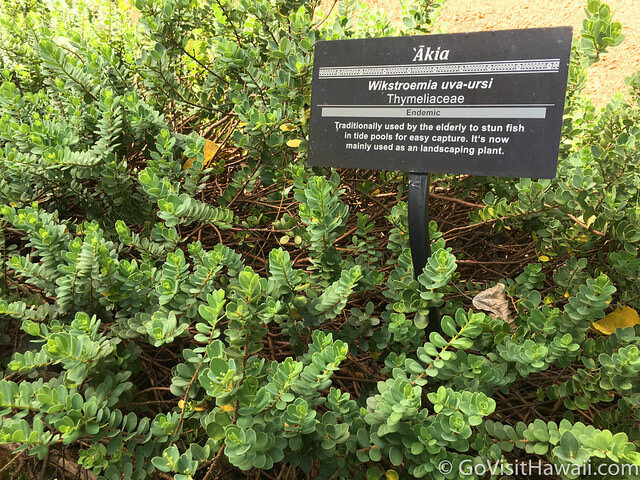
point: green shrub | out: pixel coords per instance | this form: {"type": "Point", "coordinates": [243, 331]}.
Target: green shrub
{"type": "Point", "coordinates": [102, 271]}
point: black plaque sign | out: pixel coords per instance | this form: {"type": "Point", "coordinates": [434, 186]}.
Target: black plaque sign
{"type": "Point", "coordinates": [486, 103]}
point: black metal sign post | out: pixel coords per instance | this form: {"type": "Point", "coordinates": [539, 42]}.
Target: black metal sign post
{"type": "Point", "coordinates": [418, 210]}
{"type": "Point", "coordinates": [485, 103]}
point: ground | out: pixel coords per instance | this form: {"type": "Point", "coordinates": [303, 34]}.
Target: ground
{"type": "Point", "coordinates": [605, 78]}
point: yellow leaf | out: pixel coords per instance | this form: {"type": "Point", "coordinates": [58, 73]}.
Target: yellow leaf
{"type": "Point", "coordinates": [566, 295]}
{"type": "Point", "coordinates": [227, 408]}
{"type": "Point", "coordinates": [621, 318]}
{"type": "Point", "coordinates": [287, 127]}
{"type": "Point", "coordinates": [210, 149]}
{"type": "Point", "coordinates": [392, 475]}
{"type": "Point", "coordinates": [201, 408]}
{"type": "Point", "coordinates": [543, 258]}
{"type": "Point", "coordinates": [181, 404]}
{"type": "Point", "coordinates": [294, 143]}
{"type": "Point", "coordinates": [590, 220]}
{"type": "Point", "coordinates": [187, 164]}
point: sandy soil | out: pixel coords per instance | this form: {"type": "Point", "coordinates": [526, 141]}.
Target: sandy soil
{"type": "Point", "coordinates": [605, 77]}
